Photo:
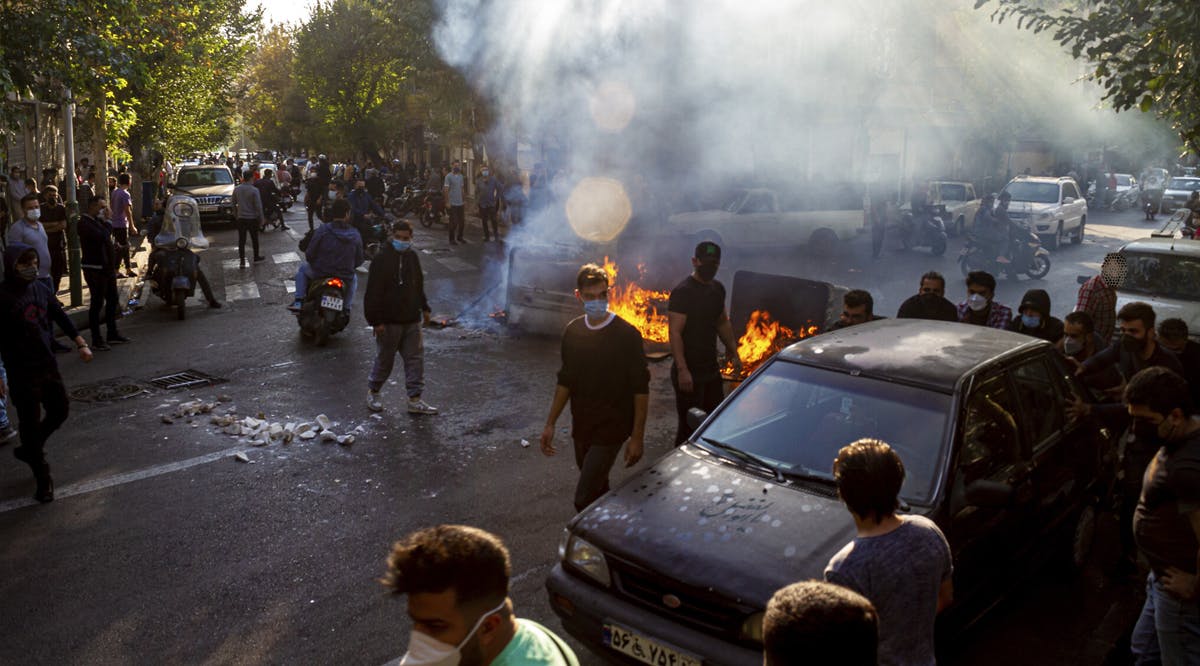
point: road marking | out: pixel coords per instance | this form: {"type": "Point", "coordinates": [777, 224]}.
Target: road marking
{"type": "Point", "coordinates": [285, 257]}
{"type": "Point", "coordinates": [64, 492]}
{"type": "Point", "coordinates": [234, 264]}
{"type": "Point", "coordinates": [455, 264]}
{"type": "Point", "coordinates": [290, 286]}
{"type": "Point", "coordinates": [241, 292]}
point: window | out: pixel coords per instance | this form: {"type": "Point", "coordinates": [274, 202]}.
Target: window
{"type": "Point", "coordinates": [1069, 190]}
{"type": "Point", "coordinates": [953, 192]}
{"type": "Point", "coordinates": [1033, 192]}
{"type": "Point", "coordinates": [1172, 276]}
{"type": "Point", "coordinates": [990, 434]}
{"type": "Point", "coordinates": [757, 203]}
{"type": "Point", "coordinates": [1043, 417]}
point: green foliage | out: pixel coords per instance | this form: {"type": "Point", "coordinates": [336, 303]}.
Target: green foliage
{"type": "Point", "coordinates": [1143, 52]}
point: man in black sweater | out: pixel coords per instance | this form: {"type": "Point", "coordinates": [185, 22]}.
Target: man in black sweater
{"type": "Point", "coordinates": [604, 375]}
{"type": "Point", "coordinates": [100, 272]}
{"type": "Point", "coordinates": [395, 307]}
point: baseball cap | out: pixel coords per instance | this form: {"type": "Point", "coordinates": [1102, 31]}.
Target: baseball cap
{"type": "Point", "coordinates": [708, 250]}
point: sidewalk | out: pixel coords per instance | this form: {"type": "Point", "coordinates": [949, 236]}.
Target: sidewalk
{"type": "Point", "coordinates": [127, 289]}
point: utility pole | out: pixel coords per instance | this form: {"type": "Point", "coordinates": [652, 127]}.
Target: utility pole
{"type": "Point", "coordinates": [74, 258]}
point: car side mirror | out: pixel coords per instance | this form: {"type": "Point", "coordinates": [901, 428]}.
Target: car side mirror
{"type": "Point", "coordinates": [1081, 279]}
{"type": "Point", "coordinates": [696, 416]}
{"type": "Point", "coordinates": [990, 494]}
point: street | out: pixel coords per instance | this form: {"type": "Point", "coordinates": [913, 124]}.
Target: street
{"type": "Point", "coordinates": [162, 547]}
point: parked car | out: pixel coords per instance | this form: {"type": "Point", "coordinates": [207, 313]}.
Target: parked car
{"type": "Point", "coordinates": [1164, 272]}
{"type": "Point", "coordinates": [1178, 191]}
{"type": "Point", "coordinates": [756, 219]}
{"type": "Point", "coordinates": [676, 565]}
{"type": "Point", "coordinates": [211, 186]}
{"type": "Point", "coordinates": [960, 201]}
{"type": "Point", "coordinates": [1052, 207]}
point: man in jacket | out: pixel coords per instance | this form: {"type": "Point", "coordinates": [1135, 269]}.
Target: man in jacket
{"type": "Point", "coordinates": [396, 307]}
{"type": "Point", "coordinates": [334, 251]}
{"type": "Point", "coordinates": [248, 205]}
{"type": "Point", "coordinates": [488, 197]}
{"type": "Point", "coordinates": [27, 308]}
{"type": "Point", "coordinates": [100, 273]}
{"type": "Point", "coordinates": [364, 209]}
{"type": "Point", "coordinates": [1035, 317]}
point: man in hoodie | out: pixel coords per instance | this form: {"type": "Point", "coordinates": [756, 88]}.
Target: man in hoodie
{"type": "Point", "coordinates": [334, 251]}
{"type": "Point", "coordinates": [1035, 317]}
{"type": "Point", "coordinates": [396, 307]}
{"type": "Point", "coordinates": [27, 308]}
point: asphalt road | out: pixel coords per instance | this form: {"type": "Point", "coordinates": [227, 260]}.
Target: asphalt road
{"type": "Point", "coordinates": [161, 547]}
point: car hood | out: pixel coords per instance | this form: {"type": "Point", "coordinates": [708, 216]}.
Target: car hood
{"type": "Point", "coordinates": [695, 520]}
{"type": "Point", "coordinates": [205, 190]}
{"type": "Point", "coordinates": [1028, 207]}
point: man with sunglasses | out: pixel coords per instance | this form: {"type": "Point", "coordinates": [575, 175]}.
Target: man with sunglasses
{"type": "Point", "coordinates": [604, 376]}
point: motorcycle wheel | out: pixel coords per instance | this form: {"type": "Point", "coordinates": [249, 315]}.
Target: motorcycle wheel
{"type": "Point", "coordinates": [427, 220]}
{"type": "Point", "coordinates": [322, 333]}
{"type": "Point", "coordinates": [180, 302]}
{"type": "Point", "coordinates": [1038, 267]}
{"type": "Point", "coordinates": [938, 247]}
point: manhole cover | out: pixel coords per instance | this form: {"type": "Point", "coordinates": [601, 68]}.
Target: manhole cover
{"type": "Point", "coordinates": [106, 391]}
{"type": "Point", "coordinates": [184, 379]}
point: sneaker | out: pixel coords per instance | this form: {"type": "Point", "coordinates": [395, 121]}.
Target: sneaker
{"type": "Point", "coordinates": [260, 258]}
{"type": "Point", "coordinates": [419, 406]}
{"type": "Point", "coordinates": [100, 345]}
{"type": "Point", "coordinates": [118, 339]}
{"type": "Point", "coordinates": [214, 304]}
{"type": "Point", "coordinates": [296, 305]}
{"type": "Point", "coordinates": [7, 433]}
{"type": "Point", "coordinates": [373, 402]}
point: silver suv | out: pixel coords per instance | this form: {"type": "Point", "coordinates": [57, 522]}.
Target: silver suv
{"type": "Point", "coordinates": [1051, 207]}
{"type": "Point", "coordinates": [212, 188]}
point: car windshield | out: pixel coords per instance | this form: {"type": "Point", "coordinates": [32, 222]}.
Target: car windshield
{"type": "Point", "coordinates": [953, 192]}
{"type": "Point", "coordinates": [1163, 275]}
{"type": "Point", "coordinates": [1184, 184]}
{"type": "Point", "coordinates": [1033, 192]}
{"type": "Point", "coordinates": [1123, 180]}
{"type": "Point", "coordinates": [796, 417]}
{"type": "Point", "coordinates": [202, 177]}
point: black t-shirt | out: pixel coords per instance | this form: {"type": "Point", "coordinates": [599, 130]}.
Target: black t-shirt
{"type": "Point", "coordinates": [603, 368]}
{"type": "Point", "coordinates": [703, 304]}
{"type": "Point", "coordinates": [1170, 491]}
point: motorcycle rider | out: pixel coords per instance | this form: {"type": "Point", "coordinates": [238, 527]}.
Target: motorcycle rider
{"type": "Point", "coordinates": [158, 252]}
{"type": "Point", "coordinates": [335, 250]}
{"type": "Point", "coordinates": [363, 207]}
{"type": "Point", "coordinates": [269, 192]}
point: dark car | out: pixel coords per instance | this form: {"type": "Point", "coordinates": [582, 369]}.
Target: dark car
{"type": "Point", "coordinates": [212, 188]}
{"type": "Point", "coordinates": [676, 565]}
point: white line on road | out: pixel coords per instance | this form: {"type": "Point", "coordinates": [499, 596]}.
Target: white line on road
{"type": "Point", "coordinates": [234, 264]}
{"type": "Point", "coordinates": [241, 292]}
{"type": "Point", "coordinates": [455, 264]}
{"type": "Point", "coordinates": [64, 492]}
{"type": "Point", "coordinates": [285, 257]}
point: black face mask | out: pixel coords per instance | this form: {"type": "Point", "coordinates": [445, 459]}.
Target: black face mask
{"type": "Point", "coordinates": [707, 272]}
{"type": "Point", "coordinates": [1132, 344]}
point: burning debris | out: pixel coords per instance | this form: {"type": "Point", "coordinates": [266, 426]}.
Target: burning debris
{"type": "Point", "coordinates": [763, 338]}
{"type": "Point", "coordinates": [644, 308]}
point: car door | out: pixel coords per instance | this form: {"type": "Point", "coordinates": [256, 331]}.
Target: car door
{"type": "Point", "coordinates": [757, 222]}
{"type": "Point", "coordinates": [990, 453]}
{"type": "Point", "coordinates": [1045, 428]}
{"type": "Point", "coordinates": [1073, 212]}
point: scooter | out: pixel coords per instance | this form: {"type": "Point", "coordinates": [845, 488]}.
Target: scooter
{"type": "Point", "coordinates": [432, 210]}
{"type": "Point", "coordinates": [176, 267]}
{"type": "Point", "coordinates": [1028, 256]}
{"type": "Point", "coordinates": [324, 310]}
{"type": "Point", "coordinates": [924, 229]}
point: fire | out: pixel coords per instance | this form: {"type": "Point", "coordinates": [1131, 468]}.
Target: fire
{"type": "Point", "coordinates": [638, 306]}
{"type": "Point", "coordinates": [763, 337]}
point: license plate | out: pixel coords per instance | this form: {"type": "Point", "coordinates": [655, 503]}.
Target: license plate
{"type": "Point", "coordinates": [208, 209]}
{"type": "Point", "coordinates": [643, 649]}
{"type": "Point", "coordinates": [331, 302]}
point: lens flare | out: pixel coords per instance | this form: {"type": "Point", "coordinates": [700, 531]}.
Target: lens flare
{"type": "Point", "coordinates": [598, 209]}
{"type": "Point", "coordinates": [613, 105]}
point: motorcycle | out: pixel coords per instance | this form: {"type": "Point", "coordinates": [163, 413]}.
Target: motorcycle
{"type": "Point", "coordinates": [374, 232]}
{"type": "Point", "coordinates": [408, 201]}
{"type": "Point", "coordinates": [324, 310]}
{"type": "Point", "coordinates": [1027, 256]}
{"type": "Point", "coordinates": [176, 267]}
{"type": "Point", "coordinates": [432, 210]}
{"type": "Point", "coordinates": [924, 229]}
{"type": "Point", "coordinates": [1123, 200]}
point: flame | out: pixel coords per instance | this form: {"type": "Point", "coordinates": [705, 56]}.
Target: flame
{"type": "Point", "coordinates": [638, 306]}
{"type": "Point", "coordinates": [763, 337]}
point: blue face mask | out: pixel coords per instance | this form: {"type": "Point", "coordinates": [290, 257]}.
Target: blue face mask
{"type": "Point", "coordinates": [1031, 321]}
{"type": "Point", "coordinates": [595, 308]}
{"type": "Point", "coordinates": [401, 245]}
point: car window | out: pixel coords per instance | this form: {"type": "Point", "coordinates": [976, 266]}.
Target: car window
{"type": "Point", "coordinates": [757, 203]}
{"type": "Point", "coordinates": [1043, 415]}
{"type": "Point", "coordinates": [1124, 181]}
{"type": "Point", "coordinates": [953, 192]}
{"type": "Point", "coordinates": [1033, 192]}
{"type": "Point", "coordinates": [1163, 275]}
{"type": "Point", "coordinates": [201, 177]}
{"type": "Point", "coordinates": [798, 417]}
{"type": "Point", "coordinates": [1184, 184]}
{"type": "Point", "coordinates": [990, 437]}
{"type": "Point", "coordinates": [1069, 190]}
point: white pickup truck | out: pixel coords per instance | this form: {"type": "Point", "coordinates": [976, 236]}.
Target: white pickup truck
{"type": "Point", "coordinates": [754, 219]}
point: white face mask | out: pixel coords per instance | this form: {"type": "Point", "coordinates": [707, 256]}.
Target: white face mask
{"type": "Point", "coordinates": [976, 302]}
{"type": "Point", "coordinates": [33, 214]}
{"type": "Point", "coordinates": [425, 650]}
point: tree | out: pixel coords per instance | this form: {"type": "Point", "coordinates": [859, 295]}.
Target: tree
{"type": "Point", "coordinates": [1143, 52]}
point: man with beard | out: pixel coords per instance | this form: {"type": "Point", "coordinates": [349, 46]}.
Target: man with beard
{"type": "Point", "coordinates": [27, 309]}
{"type": "Point", "coordinates": [979, 308]}
{"type": "Point", "coordinates": [1079, 343]}
{"type": "Point", "coordinates": [930, 301]}
{"type": "Point", "coordinates": [696, 317]}
{"type": "Point", "coordinates": [457, 582]}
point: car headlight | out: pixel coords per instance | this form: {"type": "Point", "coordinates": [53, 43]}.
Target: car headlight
{"type": "Point", "coordinates": [1043, 216]}
{"type": "Point", "coordinates": [226, 200]}
{"type": "Point", "coordinates": [181, 242]}
{"type": "Point", "coordinates": [588, 559]}
{"type": "Point", "coordinates": [752, 628]}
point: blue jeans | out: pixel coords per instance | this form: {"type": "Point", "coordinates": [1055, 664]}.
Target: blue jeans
{"type": "Point", "coordinates": [305, 274]}
{"type": "Point", "coordinates": [4, 401]}
{"type": "Point", "coordinates": [1168, 632]}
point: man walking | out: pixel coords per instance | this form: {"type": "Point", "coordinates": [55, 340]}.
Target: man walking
{"type": "Point", "coordinates": [100, 273]}
{"type": "Point", "coordinates": [1166, 523]}
{"type": "Point", "coordinates": [696, 317]}
{"type": "Point", "coordinates": [27, 308]}
{"type": "Point", "coordinates": [54, 221]}
{"type": "Point", "coordinates": [248, 204]}
{"type": "Point", "coordinates": [452, 193]}
{"type": "Point", "coordinates": [605, 378]}
{"type": "Point", "coordinates": [457, 581]}
{"type": "Point", "coordinates": [487, 194]}
{"type": "Point", "coordinates": [396, 307]}
{"type": "Point", "coordinates": [120, 205]}
{"type": "Point", "coordinates": [29, 231]}
{"type": "Point", "coordinates": [902, 564]}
